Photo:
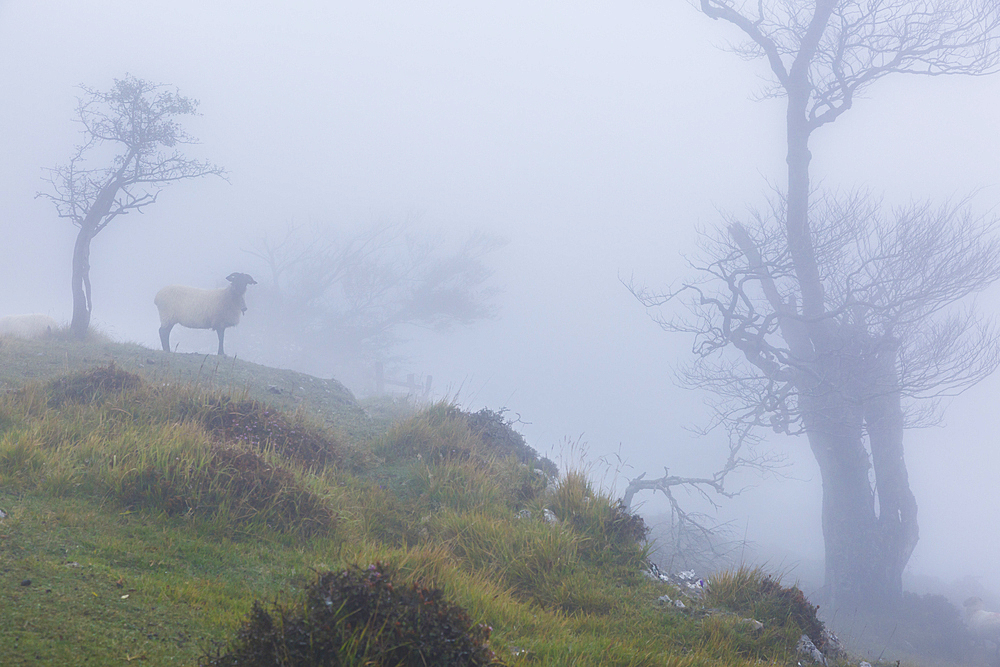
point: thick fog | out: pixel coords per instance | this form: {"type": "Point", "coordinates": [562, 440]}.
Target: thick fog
{"type": "Point", "coordinates": [595, 136]}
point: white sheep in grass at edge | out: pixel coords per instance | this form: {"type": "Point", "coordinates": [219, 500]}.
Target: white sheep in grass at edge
{"type": "Point", "coordinates": [32, 325]}
{"type": "Point", "coordinates": [984, 625]}
{"type": "Point", "coordinates": [197, 308]}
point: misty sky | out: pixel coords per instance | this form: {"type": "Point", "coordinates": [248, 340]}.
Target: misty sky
{"type": "Point", "coordinates": [596, 136]}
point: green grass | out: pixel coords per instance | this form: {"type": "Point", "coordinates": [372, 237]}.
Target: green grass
{"type": "Point", "coordinates": [149, 518]}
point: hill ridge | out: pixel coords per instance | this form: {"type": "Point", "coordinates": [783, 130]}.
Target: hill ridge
{"type": "Point", "coordinates": [326, 400]}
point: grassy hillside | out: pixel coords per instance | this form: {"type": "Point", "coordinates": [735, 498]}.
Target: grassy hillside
{"type": "Point", "coordinates": [175, 509]}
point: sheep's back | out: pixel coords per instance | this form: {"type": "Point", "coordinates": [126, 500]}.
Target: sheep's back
{"type": "Point", "coordinates": [197, 308]}
{"type": "Point", "coordinates": [985, 623]}
{"type": "Point", "coordinates": [27, 326]}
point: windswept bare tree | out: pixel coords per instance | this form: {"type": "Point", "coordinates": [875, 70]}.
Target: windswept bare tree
{"type": "Point", "coordinates": [126, 131]}
{"type": "Point", "coordinates": [336, 303]}
{"type": "Point", "coordinates": [898, 331]}
{"type": "Point", "coordinates": [840, 314]}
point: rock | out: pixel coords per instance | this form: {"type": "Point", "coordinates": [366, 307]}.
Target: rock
{"type": "Point", "coordinates": [808, 651]}
{"type": "Point", "coordinates": [652, 571]}
{"type": "Point", "coordinates": [26, 582]}
{"type": "Point", "coordinates": [523, 514]}
{"type": "Point", "coordinates": [833, 648]}
{"type": "Point", "coordinates": [665, 599]}
{"type": "Point", "coordinates": [688, 581]}
{"type": "Point", "coordinates": [519, 652]}
{"type": "Point", "coordinates": [550, 517]}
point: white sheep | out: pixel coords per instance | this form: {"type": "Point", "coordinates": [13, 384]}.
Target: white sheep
{"type": "Point", "coordinates": [27, 326]}
{"type": "Point", "coordinates": [202, 308]}
{"type": "Point", "coordinates": [984, 625]}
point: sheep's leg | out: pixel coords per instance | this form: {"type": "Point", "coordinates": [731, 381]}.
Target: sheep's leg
{"type": "Point", "coordinates": [222, 333]}
{"type": "Point", "coordinates": [165, 337]}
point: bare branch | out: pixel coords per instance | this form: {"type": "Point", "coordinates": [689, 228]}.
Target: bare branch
{"type": "Point", "coordinates": [893, 284]}
{"type": "Point", "coordinates": [695, 536]}
{"type": "Point", "coordinates": [133, 120]}
{"type": "Point", "coordinates": [844, 46]}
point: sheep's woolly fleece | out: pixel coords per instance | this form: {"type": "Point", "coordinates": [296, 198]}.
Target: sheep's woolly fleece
{"type": "Point", "coordinates": [198, 308]}
{"type": "Point", "coordinates": [984, 624]}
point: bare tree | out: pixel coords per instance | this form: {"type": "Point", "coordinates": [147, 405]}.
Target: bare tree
{"type": "Point", "coordinates": [338, 303]}
{"type": "Point", "coordinates": [897, 332]}
{"type": "Point", "coordinates": [838, 315]}
{"type": "Point", "coordinates": [127, 129]}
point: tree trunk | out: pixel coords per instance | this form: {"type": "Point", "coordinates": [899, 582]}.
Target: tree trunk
{"type": "Point", "coordinates": [80, 285]}
{"type": "Point", "coordinates": [834, 427]}
{"type": "Point", "coordinates": [866, 547]}
{"type": "Point", "coordinates": [797, 213]}
{"type": "Point", "coordinates": [869, 534]}
{"type": "Point", "coordinates": [95, 220]}
{"type": "Point", "coordinates": [868, 538]}
{"type": "Point", "coordinates": [897, 508]}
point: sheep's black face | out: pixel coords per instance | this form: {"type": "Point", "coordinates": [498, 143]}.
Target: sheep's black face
{"type": "Point", "coordinates": [241, 279]}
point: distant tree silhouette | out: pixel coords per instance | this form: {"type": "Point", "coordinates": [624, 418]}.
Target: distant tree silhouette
{"type": "Point", "coordinates": [336, 303]}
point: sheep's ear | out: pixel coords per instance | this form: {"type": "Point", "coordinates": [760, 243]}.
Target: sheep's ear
{"type": "Point", "coordinates": [231, 277]}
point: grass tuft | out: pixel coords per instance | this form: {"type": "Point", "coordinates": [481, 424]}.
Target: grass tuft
{"type": "Point", "coordinates": [92, 385]}
{"type": "Point", "coordinates": [498, 435]}
{"type": "Point", "coordinates": [258, 425]}
{"type": "Point", "coordinates": [614, 534]}
{"type": "Point", "coordinates": [444, 431]}
{"type": "Point", "coordinates": [753, 592]}
{"type": "Point", "coordinates": [236, 486]}
{"type": "Point", "coordinates": [114, 438]}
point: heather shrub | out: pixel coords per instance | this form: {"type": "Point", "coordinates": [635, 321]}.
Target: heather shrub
{"type": "Point", "coordinates": [358, 616]}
